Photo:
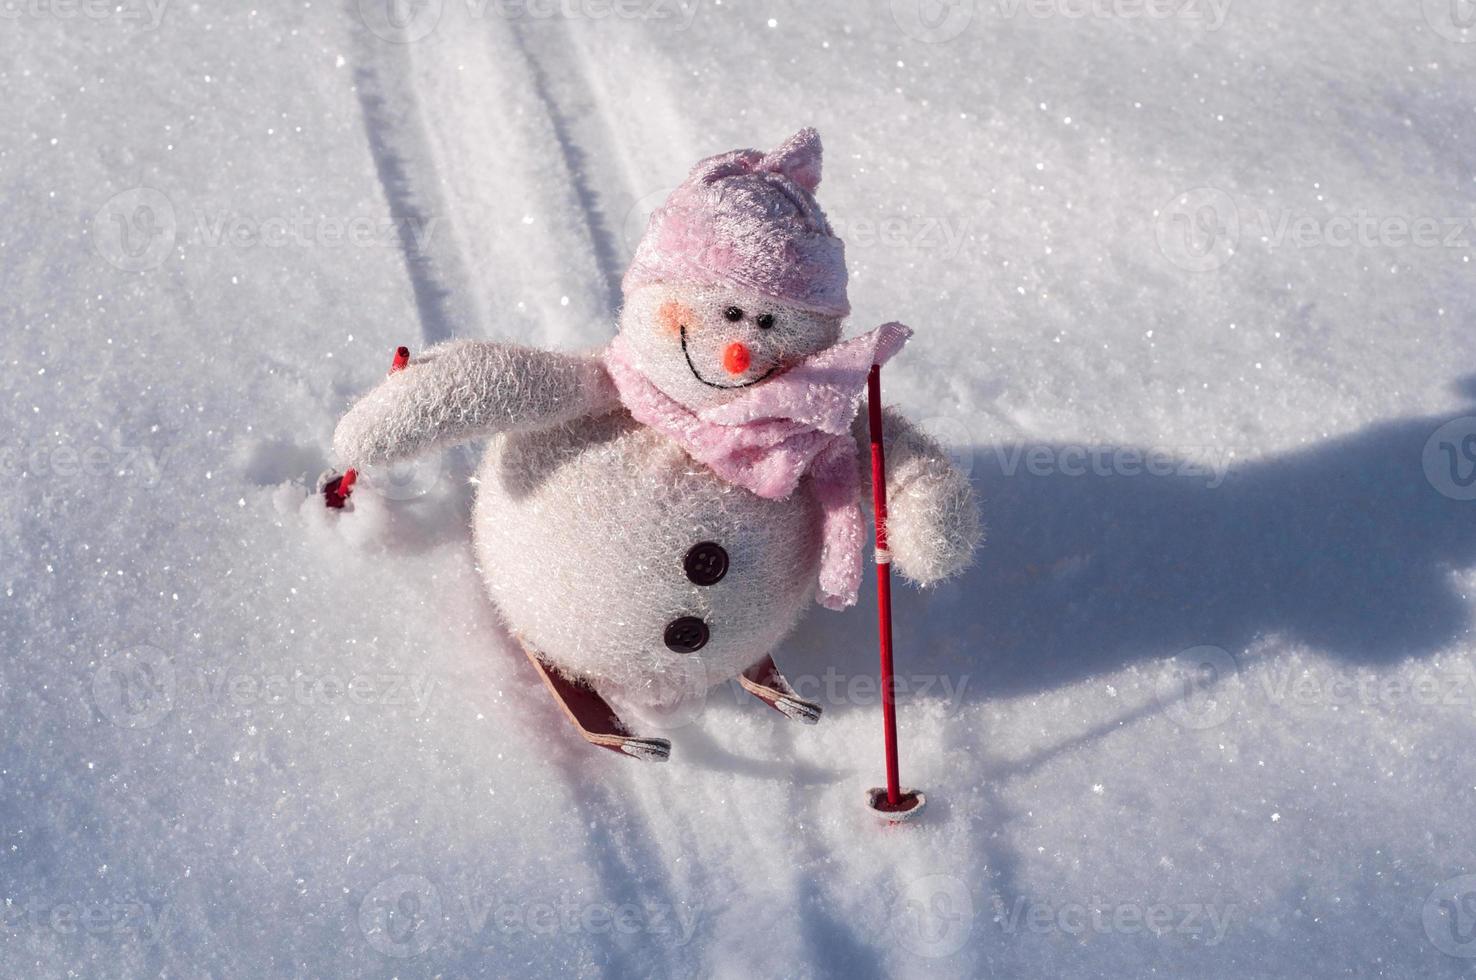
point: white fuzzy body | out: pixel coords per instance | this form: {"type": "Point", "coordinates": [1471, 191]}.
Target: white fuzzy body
{"type": "Point", "coordinates": [583, 516]}
{"type": "Point", "coordinates": [581, 532]}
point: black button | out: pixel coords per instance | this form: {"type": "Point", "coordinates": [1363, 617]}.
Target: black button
{"type": "Point", "coordinates": [686, 635]}
{"type": "Point", "coordinates": [706, 563]}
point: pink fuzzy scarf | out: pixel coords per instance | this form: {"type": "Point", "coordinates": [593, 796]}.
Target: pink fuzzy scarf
{"type": "Point", "coordinates": [776, 432]}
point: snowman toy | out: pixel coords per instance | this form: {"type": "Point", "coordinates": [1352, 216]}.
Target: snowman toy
{"type": "Point", "coordinates": [652, 519]}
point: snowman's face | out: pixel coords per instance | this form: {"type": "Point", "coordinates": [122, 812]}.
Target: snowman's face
{"type": "Point", "coordinates": [705, 345]}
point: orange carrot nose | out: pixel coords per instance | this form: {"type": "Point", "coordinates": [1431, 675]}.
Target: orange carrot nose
{"type": "Point", "coordinates": [736, 358]}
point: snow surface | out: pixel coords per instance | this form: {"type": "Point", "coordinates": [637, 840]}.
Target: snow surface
{"type": "Point", "coordinates": [1215, 722]}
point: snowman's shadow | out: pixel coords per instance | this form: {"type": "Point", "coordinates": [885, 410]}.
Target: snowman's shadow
{"type": "Point", "coordinates": [696, 746]}
{"type": "Point", "coordinates": [1346, 546]}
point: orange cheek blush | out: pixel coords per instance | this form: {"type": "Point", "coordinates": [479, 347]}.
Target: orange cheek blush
{"type": "Point", "coordinates": [672, 315]}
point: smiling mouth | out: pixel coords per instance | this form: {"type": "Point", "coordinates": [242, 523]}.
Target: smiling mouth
{"type": "Point", "coordinates": [713, 384]}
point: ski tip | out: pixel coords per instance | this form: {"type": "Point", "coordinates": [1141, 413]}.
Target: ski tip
{"type": "Point", "coordinates": [804, 712]}
{"type": "Point", "coordinates": [909, 805]}
{"type": "Point", "coordinates": [647, 749]}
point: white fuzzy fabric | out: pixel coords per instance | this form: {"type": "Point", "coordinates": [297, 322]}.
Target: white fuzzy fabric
{"type": "Point", "coordinates": [932, 516]}
{"type": "Point", "coordinates": [583, 516]}
{"type": "Point", "coordinates": [465, 389]}
{"type": "Point", "coordinates": [581, 531]}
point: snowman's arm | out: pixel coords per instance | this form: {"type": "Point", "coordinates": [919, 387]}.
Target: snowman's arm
{"type": "Point", "coordinates": [465, 389]}
{"type": "Point", "coordinates": [932, 517]}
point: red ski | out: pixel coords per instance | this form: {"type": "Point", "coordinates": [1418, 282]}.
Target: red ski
{"type": "Point", "coordinates": [764, 682]}
{"type": "Point", "coordinates": [593, 716]}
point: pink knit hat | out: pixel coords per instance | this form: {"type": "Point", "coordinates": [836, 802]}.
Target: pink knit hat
{"type": "Point", "coordinates": [749, 220]}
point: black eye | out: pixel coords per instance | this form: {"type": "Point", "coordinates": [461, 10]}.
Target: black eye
{"type": "Point", "coordinates": [765, 320]}
{"type": "Point", "coordinates": [733, 313]}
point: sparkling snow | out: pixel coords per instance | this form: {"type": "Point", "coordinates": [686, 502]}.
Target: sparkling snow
{"type": "Point", "coordinates": [1191, 283]}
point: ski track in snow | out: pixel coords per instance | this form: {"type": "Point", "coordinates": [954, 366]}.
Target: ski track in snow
{"type": "Point", "coordinates": [408, 176]}
{"type": "Point", "coordinates": [622, 843]}
{"type": "Point", "coordinates": [582, 134]}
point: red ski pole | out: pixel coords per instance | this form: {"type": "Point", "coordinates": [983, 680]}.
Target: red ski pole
{"type": "Point", "coordinates": [894, 802]}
